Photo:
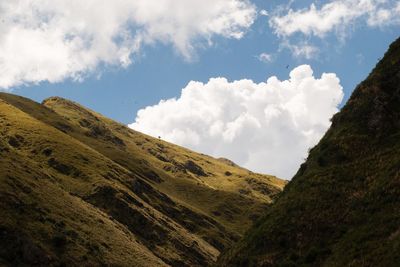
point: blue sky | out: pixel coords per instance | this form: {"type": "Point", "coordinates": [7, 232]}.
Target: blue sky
{"type": "Point", "coordinates": [349, 47]}
{"type": "Point", "coordinates": [161, 72]}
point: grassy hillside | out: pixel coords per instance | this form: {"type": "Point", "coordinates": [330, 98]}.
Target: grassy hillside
{"type": "Point", "coordinates": [78, 188]}
{"type": "Point", "coordinates": [342, 208]}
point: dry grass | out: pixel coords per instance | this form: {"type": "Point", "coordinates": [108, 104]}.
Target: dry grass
{"type": "Point", "coordinates": [89, 190]}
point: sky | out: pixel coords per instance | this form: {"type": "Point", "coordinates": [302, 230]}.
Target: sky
{"type": "Point", "coordinates": [253, 81]}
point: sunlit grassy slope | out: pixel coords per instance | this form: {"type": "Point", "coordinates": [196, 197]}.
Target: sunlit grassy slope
{"type": "Point", "coordinates": [343, 206]}
{"type": "Point", "coordinates": [78, 188]}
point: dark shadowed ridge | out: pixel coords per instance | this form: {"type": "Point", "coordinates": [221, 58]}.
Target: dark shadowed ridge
{"type": "Point", "coordinates": [342, 208]}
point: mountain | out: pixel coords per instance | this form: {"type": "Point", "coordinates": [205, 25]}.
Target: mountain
{"type": "Point", "coordinates": [342, 208]}
{"type": "Point", "coordinates": [78, 188]}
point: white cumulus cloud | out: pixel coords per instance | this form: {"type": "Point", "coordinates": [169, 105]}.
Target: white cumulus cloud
{"type": "Point", "coordinates": [337, 16]}
{"type": "Point", "coordinates": [267, 127]}
{"type": "Point", "coordinates": [51, 40]}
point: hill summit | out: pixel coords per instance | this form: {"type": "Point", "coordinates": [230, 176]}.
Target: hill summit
{"type": "Point", "coordinates": [78, 188]}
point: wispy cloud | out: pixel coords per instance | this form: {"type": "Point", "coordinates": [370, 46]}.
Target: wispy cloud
{"type": "Point", "coordinates": [335, 16]}
{"type": "Point", "coordinates": [297, 28]}
{"type": "Point", "coordinates": [43, 40]}
{"type": "Point", "coordinates": [264, 12]}
{"type": "Point", "coordinates": [265, 57]}
{"type": "Point", "coordinates": [301, 49]}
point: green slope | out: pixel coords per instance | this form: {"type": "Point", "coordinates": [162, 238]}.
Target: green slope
{"type": "Point", "coordinates": [342, 208]}
{"type": "Point", "coordinates": [77, 188]}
